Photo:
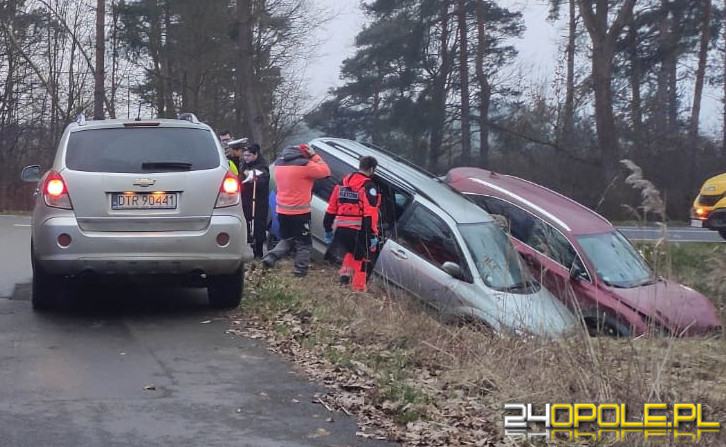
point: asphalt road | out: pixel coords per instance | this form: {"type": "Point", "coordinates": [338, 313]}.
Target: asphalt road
{"type": "Point", "coordinates": [133, 367]}
{"type": "Point", "coordinates": [674, 234]}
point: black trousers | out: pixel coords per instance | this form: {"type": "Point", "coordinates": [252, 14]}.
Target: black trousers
{"type": "Point", "coordinates": [295, 233]}
{"type": "Point", "coordinates": [258, 237]}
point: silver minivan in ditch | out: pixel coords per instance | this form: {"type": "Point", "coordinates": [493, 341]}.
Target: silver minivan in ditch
{"type": "Point", "coordinates": [138, 199]}
{"type": "Point", "coordinates": [441, 247]}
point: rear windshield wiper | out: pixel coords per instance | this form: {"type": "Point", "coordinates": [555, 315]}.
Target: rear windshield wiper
{"type": "Point", "coordinates": [172, 165]}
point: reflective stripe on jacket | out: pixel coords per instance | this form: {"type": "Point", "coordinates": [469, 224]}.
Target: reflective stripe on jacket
{"type": "Point", "coordinates": [354, 204]}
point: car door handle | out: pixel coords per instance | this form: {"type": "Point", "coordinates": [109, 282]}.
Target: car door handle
{"type": "Point", "coordinates": [400, 254]}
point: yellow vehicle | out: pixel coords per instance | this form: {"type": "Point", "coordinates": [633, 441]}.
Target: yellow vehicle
{"type": "Point", "coordinates": [709, 208]}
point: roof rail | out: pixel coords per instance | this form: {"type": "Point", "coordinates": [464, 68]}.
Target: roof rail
{"type": "Point", "coordinates": [187, 116]}
{"type": "Point", "coordinates": [399, 158]}
{"type": "Point", "coordinates": [392, 176]}
{"type": "Point", "coordinates": [81, 119]}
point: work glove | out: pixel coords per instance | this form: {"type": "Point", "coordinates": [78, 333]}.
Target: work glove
{"type": "Point", "coordinates": [328, 239]}
{"type": "Point", "coordinates": [307, 150]}
{"type": "Point", "coordinates": [374, 244]}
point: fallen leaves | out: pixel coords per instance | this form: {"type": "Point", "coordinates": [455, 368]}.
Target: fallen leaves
{"type": "Point", "coordinates": [339, 355]}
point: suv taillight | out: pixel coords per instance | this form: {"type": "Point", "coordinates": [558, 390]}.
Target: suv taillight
{"type": "Point", "coordinates": [55, 192]}
{"type": "Point", "coordinates": [229, 191]}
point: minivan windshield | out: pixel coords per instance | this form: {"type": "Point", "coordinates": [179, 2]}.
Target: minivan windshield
{"type": "Point", "coordinates": [496, 259]}
{"type": "Point", "coordinates": [616, 261]}
{"type": "Point", "coordinates": [142, 150]}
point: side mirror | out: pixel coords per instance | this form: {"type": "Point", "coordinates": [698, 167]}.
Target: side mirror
{"type": "Point", "coordinates": [453, 269]}
{"type": "Point", "coordinates": [31, 174]}
{"type": "Point", "coordinates": [577, 272]}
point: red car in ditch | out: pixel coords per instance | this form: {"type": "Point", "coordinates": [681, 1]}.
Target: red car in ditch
{"type": "Point", "coordinates": [583, 260]}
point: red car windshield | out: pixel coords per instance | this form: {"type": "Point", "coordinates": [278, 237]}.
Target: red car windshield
{"type": "Point", "coordinates": [616, 261]}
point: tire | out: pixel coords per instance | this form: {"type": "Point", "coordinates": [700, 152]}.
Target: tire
{"type": "Point", "coordinates": [225, 291]}
{"type": "Point", "coordinates": [45, 289]}
{"type": "Point", "coordinates": [722, 233]}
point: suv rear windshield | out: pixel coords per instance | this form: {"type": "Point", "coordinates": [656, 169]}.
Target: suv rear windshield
{"type": "Point", "coordinates": [141, 150]}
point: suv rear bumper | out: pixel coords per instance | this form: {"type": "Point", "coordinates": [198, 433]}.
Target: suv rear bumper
{"type": "Point", "coordinates": [140, 253]}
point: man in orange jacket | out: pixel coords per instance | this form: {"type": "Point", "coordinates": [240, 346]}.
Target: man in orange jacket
{"type": "Point", "coordinates": [296, 170]}
{"type": "Point", "coordinates": [353, 209]}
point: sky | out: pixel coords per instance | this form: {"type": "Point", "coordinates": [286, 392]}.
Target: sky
{"type": "Point", "coordinates": [539, 50]}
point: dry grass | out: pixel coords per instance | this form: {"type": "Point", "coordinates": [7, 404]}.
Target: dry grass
{"type": "Point", "coordinates": [411, 378]}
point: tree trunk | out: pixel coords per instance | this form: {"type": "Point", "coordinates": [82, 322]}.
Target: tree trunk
{"type": "Point", "coordinates": [249, 102]}
{"type": "Point", "coordinates": [698, 90]}
{"type": "Point", "coordinates": [603, 51]}
{"type": "Point", "coordinates": [464, 75]}
{"type": "Point", "coordinates": [568, 121]}
{"type": "Point", "coordinates": [485, 90]}
{"type": "Point", "coordinates": [98, 92]}
{"type": "Point", "coordinates": [700, 73]}
{"type": "Point", "coordinates": [438, 95]}
{"type": "Point", "coordinates": [602, 61]}
{"type": "Point", "coordinates": [114, 57]}
{"type": "Point", "coordinates": [636, 108]}
{"type": "Point", "coordinates": [660, 112]}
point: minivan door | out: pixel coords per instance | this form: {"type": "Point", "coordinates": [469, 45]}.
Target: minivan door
{"type": "Point", "coordinates": [414, 259]}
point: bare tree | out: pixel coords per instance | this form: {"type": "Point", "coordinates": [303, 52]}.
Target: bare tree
{"type": "Point", "coordinates": [98, 89]}
{"type": "Point", "coordinates": [464, 82]}
{"type": "Point", "coordinates": [636, 108]}
{"type": "Point", "coordinates": [485, 89]}
{"type": "Point", "coordinates": [248, 101]}
{"type": "Point", "coordinates": [439, 88]}
{"type": "Point", "coordinates": [568, 121]}
{"type": "Point", "coordinates": [698, 90]}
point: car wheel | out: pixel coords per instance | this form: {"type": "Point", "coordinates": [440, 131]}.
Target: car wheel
{"type": "Point", "coordinates": [225, 291]}
{"type": "Point", "coordinates": [45, 289]}
{"type": "Point", "coordinates": [722, 233]}
{"type": "Point", "coordinates": [607, 325]}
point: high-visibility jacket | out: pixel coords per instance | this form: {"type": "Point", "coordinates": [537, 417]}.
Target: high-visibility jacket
{"type": "Point", "coordinates": [354, 204]}
{"type": "Point", "coordinates": [295, 175]}
{"type": "Point", "coordinates": [233, 168]}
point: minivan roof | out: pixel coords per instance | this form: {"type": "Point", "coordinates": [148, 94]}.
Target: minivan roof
{"type": "Point", "coordinates": [454, 204]}
{"type": "Point", "coordinates": [116, 123]}
{"type": "Point", "coordinates": [556, 208]}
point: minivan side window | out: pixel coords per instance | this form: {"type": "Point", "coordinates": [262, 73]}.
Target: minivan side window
{"type": "Point", "coordinates": [394, 203]}
{"type": "Point", "coordinates": [428, 236]}
{"type": "Point", "coordinates": [338, 169]}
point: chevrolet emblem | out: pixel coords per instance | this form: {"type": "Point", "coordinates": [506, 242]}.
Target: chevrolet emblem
{"type": "Point", "coordinates": [144, 182]}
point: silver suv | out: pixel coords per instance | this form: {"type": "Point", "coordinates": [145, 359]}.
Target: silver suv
{"type": "Point", "coordinates": [441, 247]}
{"type": "Point", "coordinates": [142, 199]}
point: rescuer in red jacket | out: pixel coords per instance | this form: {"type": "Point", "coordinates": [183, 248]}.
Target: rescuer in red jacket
{"type": "Point", "coordinates": [296, 170]}
{"type": "Point", "coordinates": [353, 211]}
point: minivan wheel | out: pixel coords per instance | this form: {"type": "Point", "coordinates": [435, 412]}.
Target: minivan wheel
{"type": "Point", "coordinates": [722, 233]}
{"type": "Point", "coordinates": [225, 291]}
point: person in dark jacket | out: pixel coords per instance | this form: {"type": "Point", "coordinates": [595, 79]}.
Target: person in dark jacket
{"type": "Point", "coordinates": [255, 176]}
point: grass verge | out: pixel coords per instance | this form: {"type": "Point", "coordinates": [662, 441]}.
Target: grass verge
{"type": "Point", "coordinates": [410, 378]}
